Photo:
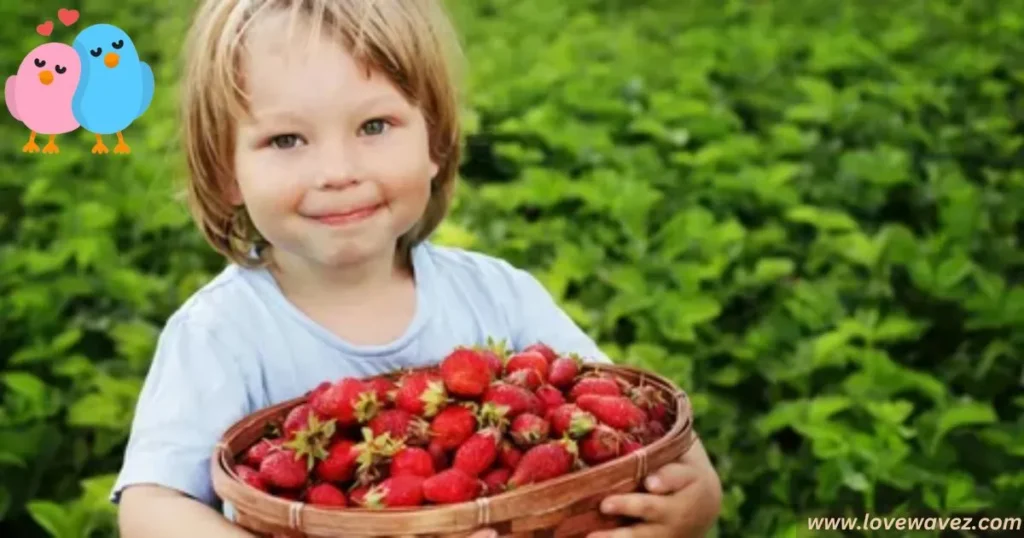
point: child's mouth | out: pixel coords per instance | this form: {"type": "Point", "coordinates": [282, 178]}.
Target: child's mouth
{"type": "Point", "coordinates": [348, 217]}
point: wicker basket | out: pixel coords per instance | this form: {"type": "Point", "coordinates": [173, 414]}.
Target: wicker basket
{"type": "Point", "coordinates": [565, 507]}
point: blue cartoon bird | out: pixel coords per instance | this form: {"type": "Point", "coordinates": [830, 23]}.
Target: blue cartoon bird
{"type": "Point", "coordinates": [115, 87]}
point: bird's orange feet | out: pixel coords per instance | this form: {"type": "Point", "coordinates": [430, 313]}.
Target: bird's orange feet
{"type": "Point", "coordinates": [121, 148]}
{"type": "Point", "coordinates": [31, 147]}
{"type": "Point", "coordinates": [100, 147]}
{"type": "Point", "coordinates": [50, 147]}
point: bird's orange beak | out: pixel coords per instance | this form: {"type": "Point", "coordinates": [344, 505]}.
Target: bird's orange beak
{"type": "Point", "coordinates": [111, 59]}
{"type": "Point", "coordinates": [46, 77]}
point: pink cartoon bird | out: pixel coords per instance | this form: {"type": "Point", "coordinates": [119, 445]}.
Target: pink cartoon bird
{"type": "Point", "coordinates": [40, 95]}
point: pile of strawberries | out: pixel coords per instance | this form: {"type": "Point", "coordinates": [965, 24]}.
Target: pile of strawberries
{"type": "Point", "coordinates": [484, 421]}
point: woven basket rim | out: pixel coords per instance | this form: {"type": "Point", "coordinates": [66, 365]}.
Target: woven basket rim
{"type": "Point", "coordinates": [231, 489]}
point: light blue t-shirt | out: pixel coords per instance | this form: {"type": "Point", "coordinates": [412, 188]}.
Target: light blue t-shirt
{"type": "Point", "coordinates": [238, 345]}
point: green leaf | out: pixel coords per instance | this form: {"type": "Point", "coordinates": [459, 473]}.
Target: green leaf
{"type": "Point", "coordinates": [962, 414]}
{"type": "Point", "coordinates": [53, 518]}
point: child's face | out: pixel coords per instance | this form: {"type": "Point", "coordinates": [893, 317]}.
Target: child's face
{"type": "Point", "coordinates": [332, 165]}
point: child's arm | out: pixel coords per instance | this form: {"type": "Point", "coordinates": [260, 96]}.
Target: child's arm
{"type": "Point", "coordinates": [149, 511]}
{"type": "Point", "coordinates": [195, 389]}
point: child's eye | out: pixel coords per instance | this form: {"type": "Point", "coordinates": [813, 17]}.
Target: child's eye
{"type": "Point", "coordinates": [375, 126]}
{"type": "Point", "coordinates": [285, 141]}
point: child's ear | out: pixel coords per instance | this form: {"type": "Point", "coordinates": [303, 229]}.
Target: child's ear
{"type": "Point", "coordinates": [434, 168]}
{"type": "Point", "coordinates": [233, 194]}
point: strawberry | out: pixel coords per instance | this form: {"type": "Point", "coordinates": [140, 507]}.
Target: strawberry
{"type": "Point", "coordinates": [422, 394]}
{"type": "Point", "coordinates": [357, 495]}
{"type": "Point", "coordinates": [478, 453]}
{"type": "Point", "coordinates": [529, 429]}
{"type": "Point", "coordinates": [616, 411]}
{"type": "Point", "coordinates": [492, 415]}
{"type": "Point", "coordinates": [528, 378]}
{"type": "Point", "coordinates": [439, 455]}
{"type": "Point", "coordinates": [544, 462]}
{"type": "Point", "coordinates": [594, 385]}
{"type": "Point", "coordinates": [649, 432]}
{"type": "Point", "coordinates": [517, 400]}
{"type": "Point", "coordinates": [569, 419]}
{"type": "Point", "coordinates": [564, 371]}
{"type": "Point", "coordinates": [297, 419]}
{"type": "Point", "coordinates": [373, 454]}
{"type": "Point", "coordinates": [495, 480]}
{"type": "Point", "coordinates": [453, 425]}
{"type": "Point", "coordinates": [509, 455]}
{"type": "Point", "coordinates": [550, 397]}
{"type": "Point", "coordinates": [495, 352]}
{"type": "Point", "coordinates": [601, 445]}
{"type": "Point", "coordinates": [651, 400]}
{"type": "Point", "coordinates": [315, 391]}
{"type": "Point", "coordinates": [401, 425]}
{"type": "Point", "coordinates": [397, 491]}
{"type": "Point", "coordinates": [544, 350]}
{"type": "Point", "coordinates": [284, 469]}
{"type": "Point", "coordinates": [384, 388]}
{"type": "Point", "coordinates": [254, 456]}
{"type": "Point", "coordinates": [325, 494]}
{"type": "Point", "coordinates": [466, 373]}
{"type": "Point", "coordinates": [452, 486]}
{"type": "Point", "coordinates": [528, 360]}
{"type": "Point", "coordinates": [312, 439]}
{"type": "Point", "coordinates": [412, 461]}
{"type": "Point", "coordinates": [340, 463]}
{"type": "Point", "coordinates": [251, 476]}
{"type": "Point", "coordinates": [350, 401]}
{"type": "Point", "coordinates": [630, 445]}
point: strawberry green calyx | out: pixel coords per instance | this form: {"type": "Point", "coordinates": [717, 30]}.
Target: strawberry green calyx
{"type": "Point", "coordinates": [311, 442]}
{"type": "Point", "coordinates": [434, 398]}
{"type": "Point", "coordinates": [581, 424]}
{"type": "Point", "coordinates": [492, 415]}
{"type": "Point", "coordinates": [366, 407]}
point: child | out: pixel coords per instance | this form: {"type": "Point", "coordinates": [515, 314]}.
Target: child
{"type": "Point", "coordinates": [323, 142]}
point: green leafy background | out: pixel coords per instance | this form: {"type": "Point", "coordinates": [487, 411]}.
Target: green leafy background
{"type": "Point", "coordinates": [806, 212]}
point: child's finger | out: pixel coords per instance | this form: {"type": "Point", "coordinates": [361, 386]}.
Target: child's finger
{"type": "Point", "coordinates": [670, 479]}
{"type": "Point", "coordinates": [650, 508]}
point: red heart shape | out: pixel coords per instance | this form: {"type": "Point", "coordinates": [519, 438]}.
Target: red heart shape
{"type": "Point", "coordinates": [45, 28]}
{"type": "Point", "coordinates": [67, 16]}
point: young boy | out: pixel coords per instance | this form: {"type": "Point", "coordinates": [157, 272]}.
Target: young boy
{"type": "Point", "coordinates": [323, 143]}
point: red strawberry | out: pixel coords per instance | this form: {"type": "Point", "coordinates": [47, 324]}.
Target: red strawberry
{"type": "Point", "coordinates": [439, 455]}
{"type": "Point", "coordinates": [349, 401]}
{"type": "Point", "coordinates": [397, 491]}
{"type": "Point", "coordinates": [297, 419]}
{"type": "Point", "coordinates": [601, 445]}
{"type": "Point", "coordinates": [569, 419]}
{"type": "Point", "coordinates": [325, 494]}
{"type": "Point", "coordinates": [317, 390]}
{"type": "Point", "coordinates": [478, 453]}
{"type": "Point", "coordinates": [650, 432]}
{"type": "Point", "coordinates": [630, 445]}
{"type": "Point", "coordinates": [544, 350]}
{"type": "Point", "coordinates": [529, 429]}
{"type": "Point", "coordinates": [495, 480]}
{"type": "Point", "coordinates": [384, 388]}
{"type": "Point", "coordinates": [531, 360]}
{"type": "Point", "coordinates": [517, 400]}
{"type": "Point", "coordinates": [254, 456]}
{"type": "Point", "coordinates": [452, 486]}
{"type": "Point", "coordinates": [564, 371]}
{"type": "Point", "coordinates": [528, 378]}
{"type": "Point", "coordinates": [284, 469]}
{"type": "Point", "coordinates": [616, 411]}
{"type": "Point", "coordinates": [651, 400]}
{"type": "Point", "coordinates": [509, 455]}
{"type": "Point", "coordinates": [358, 495]}
{"type": "Point", "coordinates": [453, 425]}
{"type": "Point", "coordinates": [401, 425]}
{"type": "Point", "coordinates": [544, 462]}
{"type": "Point", "coordinates": [422, 394]}
{"type": "Point", "coordinates": [595, 385]}
{"type": "Point", "coordinates": [494, 352]}
{"type": "Point", "coordinates": [466, 373]}
{"type": "Point", "coordinates": [550, 397]}
{"type": "Point", "coordinates": [312, 439]}
{"type": "Point", "coordinates": [340, 463]}
{"type": "Point", "coordinates": [251, 476]}
{"type": "Point", "coordinates": [412, 461]}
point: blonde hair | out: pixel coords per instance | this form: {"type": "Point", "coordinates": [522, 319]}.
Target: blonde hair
{"type": "Point", "coordinates": [411, 42]}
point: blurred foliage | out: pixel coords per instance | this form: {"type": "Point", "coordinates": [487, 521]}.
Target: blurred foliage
{"type": "Point", "coordinates": [807, 213]}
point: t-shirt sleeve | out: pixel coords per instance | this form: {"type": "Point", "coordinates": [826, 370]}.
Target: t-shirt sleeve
{"type": "Point", "coordinates": [193, 392]}
{"type": "Point", "coordinates": [540, 319]}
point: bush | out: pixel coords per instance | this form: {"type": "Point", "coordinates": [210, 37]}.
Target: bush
{"type": "Point", "coordinates": [806, 213]}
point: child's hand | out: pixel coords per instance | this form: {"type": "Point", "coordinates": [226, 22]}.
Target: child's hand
{"type": "Point", "coordinates": [685, 500]}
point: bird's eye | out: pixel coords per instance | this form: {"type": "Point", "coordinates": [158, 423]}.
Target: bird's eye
{"type": "Point", "coordinates": [60, 69]}
{"type": "Point", "coordinates": [96, 52]}
{"type": "Point", "coordinates": [117, 44]}
{"type": "Point", "coordinates": [40, 63]}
